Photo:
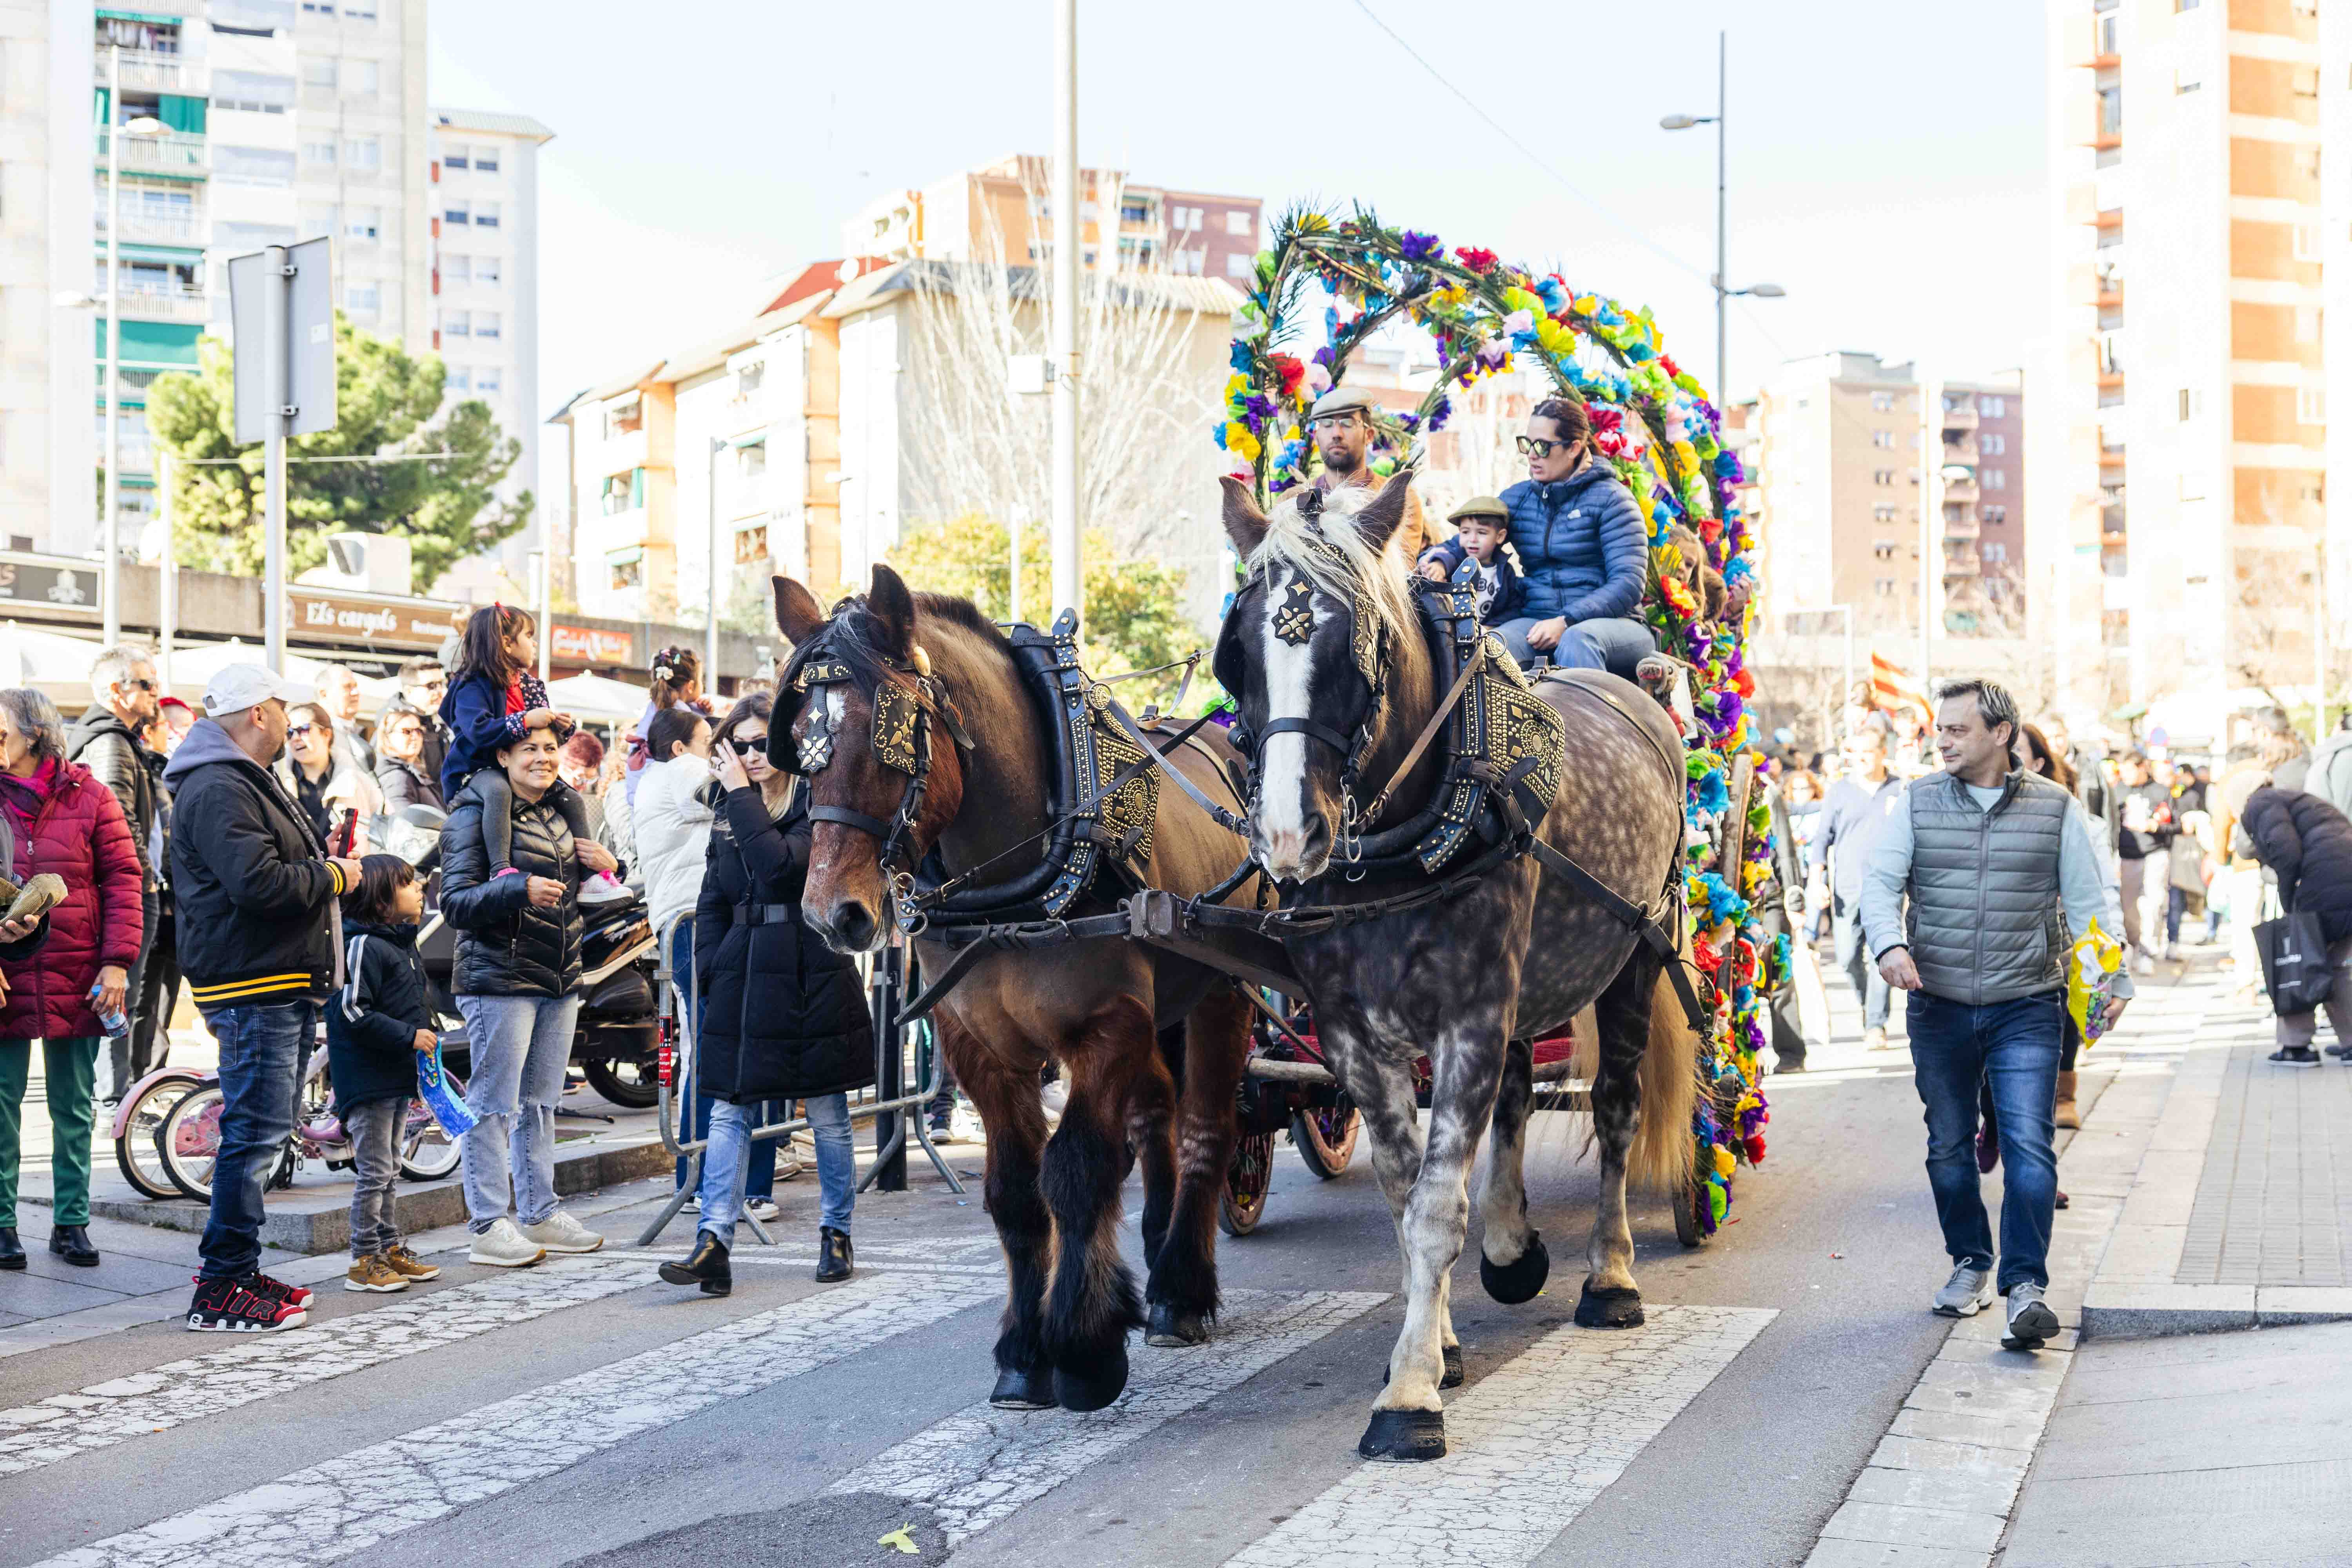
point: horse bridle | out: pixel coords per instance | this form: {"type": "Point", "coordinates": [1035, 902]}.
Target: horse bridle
{"type": "Point", "coordinates": [901, 738]}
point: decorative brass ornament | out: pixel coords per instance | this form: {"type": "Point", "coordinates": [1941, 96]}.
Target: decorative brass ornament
{"type": "Point", "coordinates": [1293, 617]}
{"type": "Point", "coordinates": [1135, 804]}
{"type": "Point", "coordinates": [896, 716]}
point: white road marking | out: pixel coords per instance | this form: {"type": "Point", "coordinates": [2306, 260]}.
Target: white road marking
{"type": "Point", "coordinates": [757, 1256]}
{"type": "Point", "coordinates": [1530, 1446]}
{"type": "Point", "coordinates": [262, 1365]}
{"type": "Point", "coordinates": [982, 1464]}
{"type": "Point", "coordinates": [334, 1510]}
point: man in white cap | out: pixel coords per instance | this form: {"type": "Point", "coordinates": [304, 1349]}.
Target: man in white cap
{"type": "Point", "coordinates": [257, 916]}
{"type": "Point", "coordinates": [1341, 420]}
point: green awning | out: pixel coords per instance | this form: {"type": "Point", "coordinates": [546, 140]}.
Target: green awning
{"type": "Point", "coordinates": [634, 552]}
{"type": "Point", "coordinates": [177, 255]}
{"type": "Point", "coordinates": [181, 113]}
{"type": "Point", "coordinates": [148, 17]}
{"type": "Point", "coordinates": [759, 438]}
{"type": "Point", "coordinates": [169, 345]}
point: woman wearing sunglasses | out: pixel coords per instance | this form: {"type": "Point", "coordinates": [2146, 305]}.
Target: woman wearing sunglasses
{"type": "Point", "coordinates": [333, 793]}
{"type": "Point", "coordinates": [782, 1015]}
{"type": "Point", "coordinates": [1583, 550]}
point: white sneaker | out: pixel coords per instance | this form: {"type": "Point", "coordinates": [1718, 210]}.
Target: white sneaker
{"type": "Point", "coordinates": [788, 1167]}
{"type": "Point", "coordinates": [1874, 1039]}
{"type": "Point", "coordinates": [2143, 964]}
{"type": "Point", "coordinates": [559, 1232]}
{"type": "Point", "coordinates": [604, 888]}
{"type": "Point", "coordinates": [503, 1246]}
{"type": "Point", "coordinates": [762, 1209]}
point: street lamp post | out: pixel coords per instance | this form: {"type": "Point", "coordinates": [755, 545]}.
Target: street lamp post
{"type": "Point", "coordinates": [1722, 295]}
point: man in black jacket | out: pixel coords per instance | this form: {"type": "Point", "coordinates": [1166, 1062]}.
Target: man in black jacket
{"type": "Point", "coordinates": [124, 692]}
{"type": "Point", "coordinates": [258, 941]}
{"type": "Point", "coordinates": [2308, 844]}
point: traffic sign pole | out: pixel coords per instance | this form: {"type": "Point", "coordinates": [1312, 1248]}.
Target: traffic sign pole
{"type": "Point", "coordinates": [276, 354]}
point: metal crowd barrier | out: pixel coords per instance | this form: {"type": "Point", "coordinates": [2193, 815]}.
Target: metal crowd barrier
{"type": "Point", "coordinates": [885, 985]}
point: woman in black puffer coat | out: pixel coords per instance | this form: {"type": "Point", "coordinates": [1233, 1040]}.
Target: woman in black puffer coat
{"type": "Point", "coordinates": [2308, 844]}
{"type": "Point", "coordinates": [783, 1016]}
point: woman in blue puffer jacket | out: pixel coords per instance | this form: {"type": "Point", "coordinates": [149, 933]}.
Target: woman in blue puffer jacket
{"type": "Point", "coordinates": [1584, 552]}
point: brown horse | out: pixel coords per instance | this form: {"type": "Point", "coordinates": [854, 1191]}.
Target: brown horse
{"type": "Point", "coordinates": [1115, 1014]}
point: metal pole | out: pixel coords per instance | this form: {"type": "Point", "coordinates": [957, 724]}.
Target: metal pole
{"type": "Point", "coordinates": [110, 577]}
{"type": "Point", "coordinates": [546, 607]}
{"type": "Point", "coordinates": [1722, 276]}
{"type": "Point", "coordinates": [1068, 241]}
{"type": "Point", "coordinates": [167, 627]}
{"type": "Point", "coordinates": [890, 1145]}
{"type": "Point", "coordinates": [1931, 488]}
{"type": "Point", "coordinates": [278, 351]}
{"type": "Point", "coordinates": [710, 632]}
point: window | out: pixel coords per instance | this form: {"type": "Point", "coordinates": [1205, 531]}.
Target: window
{"type": "Point", "coordinates": [1883, 550]}
{"type": "Point", "coordinates": [2310, 406]}
{"type": "Point", "coordinates": [751, 462]}
{"type": "Point", "coordinates": [1882, 514]}
{"type": "Point", "coordinates": [485, 323]}
{"type": "Point", "coordinates": [487, 379]}
{"type": "Point", "coordinates": [2306, 323]}
{"type": "Point", "coordinates": [1994, 408]}
{"type": "Point", "coordinates": [326, 8]}
{"type": "Point", "coordinates": [2307, 242]}
{"type": "Point", "coordinates": [486, 216]}
{"type": "Point", "coordinates": [462, 212]}
{"type": "Point", "coordinates": [2177, 6]}
{"type": "Point", "coordinates": [751, 545]}
{"type": "Point", "coordinates": [359, 10]}
{"type": "Point", "coordinates": [2181, 85]}
{"type": "Point", "coordinates": [256, 92]}
{"type": "Point", "coordinates": [1882, 476]}
{"type": "Point", "coordinates": [455, 157]}
{"type": "Point", "coordinates": [1882, 438]}
{"type": "Point", "coordinates": [363, 153]}
{"type": "Point", "coordinates": [624, 417]}
{"type": "Point", "coordinates": [1993, 513]}
{"type": "Point", "coordinates": [253, 165]}
{"type": "Point", "coordinates": [319, 152]}
{"type": "Point", "coordinates": [747, 380]}
{"type": "Point", "coordinates": [455, 269]}
{"type": "Point", "coordinates": [319, 73]}
{"type": "Point", "coordinates": [2111, 111]}
{"type": "Point", "coordinates": [456, 324]}
{"type": "Point", "coordinates": [485, 160]}
{"type": "Point", "coordinates": [456, 380]}
{"type": "Point", "coordinates": [1240, 224]}
{"type": "Point", "coordinates": [315, 218]}
{"type": "Point", "coordinates": [362, 298]}
{"type": "Point", "coordinates": [1991, 446]}
{"type": "Point", "coordinates": [362, 78]}
{"type": "Point", "coordinates": [1996, 479]}
{"type": "Point", "coordinates": [1885, 586]}
{"type": "Point", "coordinates": [1132, 212]}
{"type": "Point", "coordinates": [486, 270]}
{"type": "Point", "coordinates": [1881, 402]}
{"type": "Point", "coordinates": [363, 224]}
{"type": "Point", "coordinates": [1240, 264]}
{"type": "Point", "coordinates": [629, 572]}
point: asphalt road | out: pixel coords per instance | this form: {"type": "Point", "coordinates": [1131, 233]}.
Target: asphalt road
{"type": "Point", "coordinates": [588, 1414]}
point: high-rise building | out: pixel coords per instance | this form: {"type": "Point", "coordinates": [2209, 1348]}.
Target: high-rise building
{"type": "Point", "coordinates": [2182, 475]}
{"type": "Point", "coordinates": [1003, 210]}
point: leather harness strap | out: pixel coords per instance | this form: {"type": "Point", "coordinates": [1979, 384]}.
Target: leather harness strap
{"type": "Point", "coordinates": [1421, 742]}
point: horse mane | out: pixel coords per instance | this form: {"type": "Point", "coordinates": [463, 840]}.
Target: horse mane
{"type": "Point", "coordinates": [849, 635]}
{"type": "Point", "coordinates": [1319, 541]}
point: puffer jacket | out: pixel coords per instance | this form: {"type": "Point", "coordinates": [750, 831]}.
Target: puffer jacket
{"type": "Point", "coordinates": [782, 1015]}
{"type": "Point", "coordinates": [672, 822]}
{"type": "Point", "coordinates": [372, 1024]}
{"type": "Point", "coordinates": [2308, 843]}
{"type": "Point", "coordinates": [81, 835]}
{"type": "Point", "coordinates": [2330, 777]}
{"type": "Point", "coordinates": [105, 745]}
{"type": "Point", "coordinates": [1582, 546]}
{"type": "Point", "coordinates": [506, 946]}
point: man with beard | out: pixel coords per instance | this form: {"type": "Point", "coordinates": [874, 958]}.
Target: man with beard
{"type": "Point", "coordinates": [1341, 421]}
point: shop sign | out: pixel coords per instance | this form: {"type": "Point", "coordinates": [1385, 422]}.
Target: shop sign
{"type": "Point", "coordinates": [592, 644]}
{"type": "Point", "coordinates": [419, 624]}
{"type": "Point", "coordinates": [49, 583]}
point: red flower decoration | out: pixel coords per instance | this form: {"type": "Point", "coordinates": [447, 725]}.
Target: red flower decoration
{"type": "Point", "coordinates": [1476, 261]}
{"type": "Point", "coordinates": [1755, 1144]}
{"type": "Point", "coordinates": [1292, 373]}
{"type": "Point", "coordinates": [1672, 369]}
{"type": "Point", "coordinates": [1605, 416]}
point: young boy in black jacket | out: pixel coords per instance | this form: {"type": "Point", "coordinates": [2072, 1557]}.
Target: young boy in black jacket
{"type": "Point", "coordinates": [375, 1027]}
{"type": "Point", "coordinates": [1482, 525]}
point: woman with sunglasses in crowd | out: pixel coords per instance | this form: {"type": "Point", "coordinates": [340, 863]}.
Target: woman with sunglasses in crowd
{"type": "Point", "coordinates": [783, 1016]}
{"type": "Point", "coordinates": [333, 794]}
{"type": "Point", "coordinates": [1583, 550]}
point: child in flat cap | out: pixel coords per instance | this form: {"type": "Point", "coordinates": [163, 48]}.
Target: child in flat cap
{"type": "Point", "coordinates": [1483, 524]}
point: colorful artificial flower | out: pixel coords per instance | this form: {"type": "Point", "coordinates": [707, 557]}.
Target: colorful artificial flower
{"type": "Point", "coordinates": [1291, 373]}
{"type": "Point", "coordinates": [1476, 261]}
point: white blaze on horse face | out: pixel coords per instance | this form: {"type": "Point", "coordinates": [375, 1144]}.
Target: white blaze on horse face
{"type": "Point", "coordinates": [1284, 810]}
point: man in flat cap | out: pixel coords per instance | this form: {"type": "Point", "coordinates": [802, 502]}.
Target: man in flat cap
{"type": "Point", "coordinates": [1343, 423]}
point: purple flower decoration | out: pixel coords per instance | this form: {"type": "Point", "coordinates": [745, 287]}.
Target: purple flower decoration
{"type": "Point", "coordinates": [1257, 407]}
{"type": "Point", "coordinates": [1419, 247]}
{"type": "Point", "coordinates": [1493, 353]}
{"type": "Point", "coordinates": [1441, 414]}
{"type": "Point", "coordinates": [1325, 357]}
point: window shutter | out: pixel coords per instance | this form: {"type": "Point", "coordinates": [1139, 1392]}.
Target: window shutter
{"type": "Point", "coordinates": [637, 487]}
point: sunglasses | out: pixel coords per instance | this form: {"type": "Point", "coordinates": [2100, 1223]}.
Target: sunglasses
{"type": "Point", "coordinates": [755, 746]}
{"type": "Point", "coordinates": [138, 685]}
{"type": "Point", "coordinates": [294, 731]}
{"type": "Point", "coordinates": [1537, 446]}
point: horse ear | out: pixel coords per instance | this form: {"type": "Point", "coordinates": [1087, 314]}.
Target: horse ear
{"type": "Point", "coordinates": [797, 616]}
{"type": "Point", "coordinates": [1245, 524]}
{"type": "Point", "coordinates": [892, 607]}
{"type": "Point", "coordinates": [1378, 519]}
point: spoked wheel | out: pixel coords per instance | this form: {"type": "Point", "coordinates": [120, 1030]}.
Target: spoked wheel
{"type": "Point", "coordinates": [426, 1152]}
{"type": "Point", "coordinates": [135, 1151]}
{"type": "Point", "coordinates": [626, 1081]}
{"type": "Point", "coordinates": [1246, 1180]}
{"type": "Point", "coordinates": [1690, 1200]}
{"type": "Point", "coordinates": [187, 1140]}
{"type": "Point", "coordinates": [1325, 1139]}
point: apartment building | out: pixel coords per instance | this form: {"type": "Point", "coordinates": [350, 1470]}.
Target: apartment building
{"type": "Point", "coordinates": [485, 281]}
{"type": "Point", "coordinates": [1004, 209]}
{"type": "Point", "coordinates": [2185, 465]}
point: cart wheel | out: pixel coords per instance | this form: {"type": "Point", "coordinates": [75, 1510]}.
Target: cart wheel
{"type": "Point", "coordinates": [1325, 1139]}
{"type": "Point", "coordinates": [1690, 1198]}
{"type": "Point", "coordinates": [1246, 1180]}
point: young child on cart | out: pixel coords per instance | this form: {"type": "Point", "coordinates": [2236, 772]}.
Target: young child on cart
{"type": "Point", "coordinates": [1482, 524]}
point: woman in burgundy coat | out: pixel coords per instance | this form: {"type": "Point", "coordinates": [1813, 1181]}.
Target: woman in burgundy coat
{"type": "Point", "coordinates": [55, 815]}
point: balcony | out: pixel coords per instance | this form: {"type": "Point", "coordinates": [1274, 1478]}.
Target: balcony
{"type": "Point", "coordinates": [1962, 451]}
{"type": "Point", "coordinates": [1961, 563]}
{"type": "Point", "coordinates": [1963, 417]}
{"type": "Point", "coordinates": [1960, 491]}
{"type": "Point", "coordinates": [1960, 523]}
{"type": "Point", "coordinates": [2111, 521]}
{"type": "Point", "coordinates": [171, 153]}
{"type": "Point", "coordinates": [145, 71]}
{"type": "Point", "coordinates": [160, 305]}
{"type": "Point", "coordinates": [142, 223]}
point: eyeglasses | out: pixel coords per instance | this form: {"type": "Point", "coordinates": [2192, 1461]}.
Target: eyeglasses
{"type": "Point", "coordinates": [294, 731]}
{"type": "Point", "coordinates": [136, 684]}
{"type": "Point", "coordinates": [743, 748]}
{"type": "Point", "coordinates": [1335, 421]}
{"type": "Point", "coordinates": [1537, 446]}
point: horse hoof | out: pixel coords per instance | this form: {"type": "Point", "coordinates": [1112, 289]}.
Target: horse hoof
{"type": "Point", "coordinates": [1512, 1283]}
{"type": "Point", "coordinates": [1609, 1308]}
{"type": "Point", "coordinates": [1094, 1388]}
{"type": "Point", "coordinates": [1017, 1390]}
{"type": "Point", "coordinates": [1404, 1437]}
{"type": "Point", "coordinates": [1452, 1375]}
{"type": "Point", "coordinates": [1173, 1329]}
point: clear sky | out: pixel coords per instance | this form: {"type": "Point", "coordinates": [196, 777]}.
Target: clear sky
{"type": "Point", "coordinates": [1885, 167]}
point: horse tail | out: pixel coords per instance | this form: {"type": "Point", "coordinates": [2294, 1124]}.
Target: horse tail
{"type": "Point", "coordinates": [1664, 1147]}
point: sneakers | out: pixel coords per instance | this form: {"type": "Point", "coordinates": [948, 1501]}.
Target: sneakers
{"type": "Point", "coordinates": [604, 888]}
{"type": "Point", "coordinates": [763, 1209]}
{"type": "Point", "coordinates": [408, 1266]}
{"type": "Point", "coordinates": [1967, 1292]}
{"type": "Point", "coordinates": [559, 1232]}
{"type": "Point", "coordinates": [2295, 1057]}
{"type": "Point", "coordinates": [503, 1246]}
{"type": "Point", "coordinates": [373, 1272]}
{"type": "Point", "coordinates": [788, 1167]}
{"type": "Point", "coordinates": [1874, 1039]}
{"type": "Point", "coordinates": [277, 1290]}
{"type": "Point", "coordinates": [2031, 1320]}
{"type": "Point", "coordinates": [233, 1307]}
{"type": "Point", "coordinates": [2341, 1051]}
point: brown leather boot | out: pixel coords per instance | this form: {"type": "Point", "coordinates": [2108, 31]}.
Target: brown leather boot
{"type": "Point", "coordinates": [2067, 1115]}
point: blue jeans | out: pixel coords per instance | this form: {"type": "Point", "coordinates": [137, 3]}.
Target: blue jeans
{"type": "Point", "coordinates": [730, 1153]}
{"type": "Point", "coordinates": [262, 1049]}
{"type": "Point", "coordinates": [2010, 1047]}
{"type": "Point", "coordinates": [1853, 957]}
{"type": "Point", "coordinates": [520, 1045]}
{"type": "Point", "coordinates": [1613, 643]}
{"type": "Point", "coordinates": [759, 1181]}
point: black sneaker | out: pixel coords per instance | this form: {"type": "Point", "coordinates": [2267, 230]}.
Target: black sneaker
{"type": "Point", "coordinates": [2341, 1051]}
{"type": "Point", "coordinates": [261, 1284]}
{"type": "Point", "coordinates": [2295, 1057]}
{"type": "Point", "coordinates": [227, 1306]}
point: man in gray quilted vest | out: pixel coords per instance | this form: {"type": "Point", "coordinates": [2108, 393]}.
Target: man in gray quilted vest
{"type": "Point", "coordinates": [1998, 866]}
